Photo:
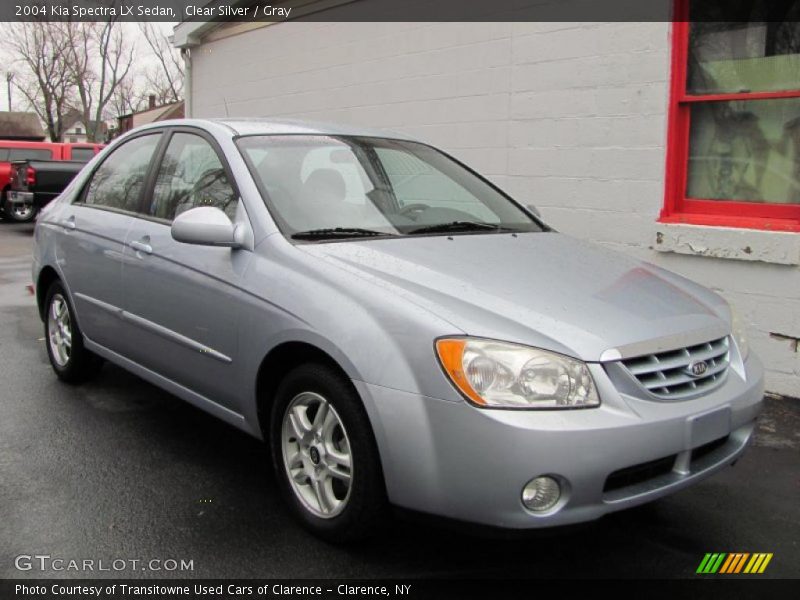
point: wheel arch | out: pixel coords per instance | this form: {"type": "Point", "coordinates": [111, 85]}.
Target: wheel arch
{"type": "Point", "coordinates": [277, 363]}
{"type": "Point", "coordinates": [43, 282]}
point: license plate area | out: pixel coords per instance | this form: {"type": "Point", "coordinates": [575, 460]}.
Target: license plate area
{"type": "Point", "coordinates": [707, 427]}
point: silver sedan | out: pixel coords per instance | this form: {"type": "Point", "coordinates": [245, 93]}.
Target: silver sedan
{"type": "Point", "coordinates": [398, 329]}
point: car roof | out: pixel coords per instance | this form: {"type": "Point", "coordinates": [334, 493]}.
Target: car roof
{"type": "Point", "coordinates": [28, 144]}
{"type": "Point", "coordinates": [263, 126]}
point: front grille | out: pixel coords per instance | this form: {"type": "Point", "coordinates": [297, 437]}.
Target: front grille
{"type": "Point", "coordinates": [667, 374]}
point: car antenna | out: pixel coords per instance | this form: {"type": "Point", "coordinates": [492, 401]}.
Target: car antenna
{"type": "Point", "coordinates": [225, 101]}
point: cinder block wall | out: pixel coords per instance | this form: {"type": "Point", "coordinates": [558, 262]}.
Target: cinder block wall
{"type": "Point", "coordinates": [569, 116]}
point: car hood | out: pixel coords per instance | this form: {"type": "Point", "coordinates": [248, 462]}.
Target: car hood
{"type": "Point", "coordinates": [542, 289]}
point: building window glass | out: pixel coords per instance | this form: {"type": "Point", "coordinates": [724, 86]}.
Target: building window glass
{"type": "Point", "coordinates": [734, 135]}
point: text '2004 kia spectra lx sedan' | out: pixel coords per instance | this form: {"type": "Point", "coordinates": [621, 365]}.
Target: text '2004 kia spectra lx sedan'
{"type": "Point", "coordinates": [398, 329]}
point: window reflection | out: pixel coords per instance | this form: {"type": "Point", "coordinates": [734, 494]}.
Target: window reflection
{"type": "Point", "coordinates": [191, 175]}
{"type": "Point", "coordinates": [745, 151]}
{"type": "Point", "coordinates": [758, 52]}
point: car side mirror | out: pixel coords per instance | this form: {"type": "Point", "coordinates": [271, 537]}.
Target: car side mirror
{"type": "Point", "coordinates": [206, 226]}
{"type": "Point", "coordinates": [535, 211]}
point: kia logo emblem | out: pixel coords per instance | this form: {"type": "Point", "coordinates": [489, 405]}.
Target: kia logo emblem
{"type": "Point", "coordinates": [698, 368]}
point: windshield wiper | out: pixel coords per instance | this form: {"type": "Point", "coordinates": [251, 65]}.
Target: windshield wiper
{"type": "Point", "coordinates": [455, 226]}
{"type": "Point", "coordinates": [336, 232]}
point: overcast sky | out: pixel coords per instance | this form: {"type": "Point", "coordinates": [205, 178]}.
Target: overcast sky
{"type": "Point", "coordinates": [143, 59]}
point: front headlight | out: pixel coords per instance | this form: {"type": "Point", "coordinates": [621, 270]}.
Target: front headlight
{"type": "Point", "coordinates": [501, 375]}
{"type": "Point", "coordinates": [739, 334]}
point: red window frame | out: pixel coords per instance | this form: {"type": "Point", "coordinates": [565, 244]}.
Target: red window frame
{"type": "Point", "coordinates": [677, 207]}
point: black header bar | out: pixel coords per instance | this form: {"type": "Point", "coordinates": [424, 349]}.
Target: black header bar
{"type": "Point", "coordinates": [351, 10]}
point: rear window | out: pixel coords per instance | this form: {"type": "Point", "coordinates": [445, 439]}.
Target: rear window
{"type": "Point", "coordinates": [82, 154]}
{"type": "Point", "coordinates": [14, 154]}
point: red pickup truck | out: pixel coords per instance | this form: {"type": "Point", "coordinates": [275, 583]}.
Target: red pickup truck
{"type": "Point", "coordinates": [13, 151]}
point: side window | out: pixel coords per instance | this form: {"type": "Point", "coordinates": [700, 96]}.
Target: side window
{"type": "Point", "coordinates": [118, 182]}
{"type": "Point", "coordinates": [83, 154]}
{"type": "Point", "coordinates": [191, 175]}
{"type": "Point", "coordinates": [29, 154]}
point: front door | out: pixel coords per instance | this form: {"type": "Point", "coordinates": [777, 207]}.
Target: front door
{"type": "Point", "coordinates": [182, 301]}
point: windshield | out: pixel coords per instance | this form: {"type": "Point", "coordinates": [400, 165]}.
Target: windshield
{"type": "Point", "coordinates": [332, 187]}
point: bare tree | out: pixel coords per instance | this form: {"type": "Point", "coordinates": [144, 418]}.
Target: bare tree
{"type": "Point", "coordinates": [165, 79]}
{"type": "Point", "coordinates": [40, 57]}
{"type": "Point", "coordinates": [126, 99]}
{"type": "Point", "coordinates": [100, 60]}
{"type": "Point", "coordinates": [88, 68]}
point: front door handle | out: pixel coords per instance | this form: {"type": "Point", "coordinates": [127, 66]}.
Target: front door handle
{"type": "Point", "coordinates": [142, 246]}
{"type": "Point", "coordinates": [69, 224]}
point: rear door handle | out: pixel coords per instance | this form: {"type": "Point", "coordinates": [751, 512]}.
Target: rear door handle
{"type": "Point", "coordinates": [142, 247]}
{"type": "Point", "coordinates": [69, 224]}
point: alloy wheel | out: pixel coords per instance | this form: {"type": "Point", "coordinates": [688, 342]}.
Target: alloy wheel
{"type": "Point", "coordinates": [59, 330]}
{"type": "Point", "coordinates": [317, 455]}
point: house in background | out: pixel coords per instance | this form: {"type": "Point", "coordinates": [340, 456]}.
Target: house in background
{"type": "Point", "coordinates": [21, 126]}
{"type": "Point", "coordinates": [676, 143]}
{"type": "Point", "coordinates": [174, 110]}
{"type": "Point", "coordinates": [76, 129]}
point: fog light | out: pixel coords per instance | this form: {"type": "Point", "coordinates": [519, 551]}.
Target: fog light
{"type": "Point", "coordinates": [541, 494]}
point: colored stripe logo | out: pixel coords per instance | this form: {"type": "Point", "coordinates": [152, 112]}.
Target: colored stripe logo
{"type": "Point", "coordinates": [734, 563]}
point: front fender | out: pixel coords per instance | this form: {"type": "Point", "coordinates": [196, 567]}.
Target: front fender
{"type": "Point", "coordinates": [374, 337]}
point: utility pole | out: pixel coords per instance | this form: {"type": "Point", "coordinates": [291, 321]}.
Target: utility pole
{"type": "Point", "coordinates": [9, 77]}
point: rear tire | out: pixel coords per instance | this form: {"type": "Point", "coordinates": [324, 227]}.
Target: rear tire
{"type": "Point", "coordinates": [70, 360]}
{"type": "Point", "coordinates": [17, 213]}
{"type": "Point", "coordinates": [325, 455]}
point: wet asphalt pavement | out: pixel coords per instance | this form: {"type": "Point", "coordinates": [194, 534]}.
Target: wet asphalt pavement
{"type": "Point", "coordinates": [119, 469]}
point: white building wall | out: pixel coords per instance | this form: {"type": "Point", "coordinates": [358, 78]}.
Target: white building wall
{"type": "Point", "coordinates": [569, 116]}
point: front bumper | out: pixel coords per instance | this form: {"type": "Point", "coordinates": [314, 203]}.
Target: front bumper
{"type": "Point", "coordinates": [451, 459]}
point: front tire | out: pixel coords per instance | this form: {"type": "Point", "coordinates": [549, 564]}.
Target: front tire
{"type": "Point", "coordinates": [325, 455]}
{"type": "Point", "coordinates": [70, 360]}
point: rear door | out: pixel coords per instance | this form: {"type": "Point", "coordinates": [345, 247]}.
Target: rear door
{"type": "Point", "coordinates": [94, 229]}
{"type": "Point", "coordinates": [182, 301]}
